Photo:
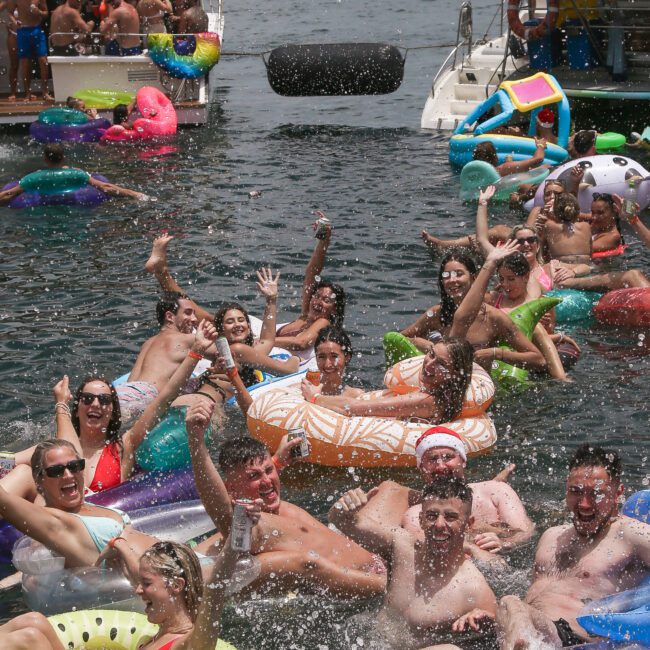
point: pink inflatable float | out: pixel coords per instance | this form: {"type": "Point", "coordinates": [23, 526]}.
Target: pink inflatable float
{"type": "Point", "coordinates": [158, 118]}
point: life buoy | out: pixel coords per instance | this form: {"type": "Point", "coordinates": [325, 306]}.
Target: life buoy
{"type": "Point", "coordinates": [546, 26]}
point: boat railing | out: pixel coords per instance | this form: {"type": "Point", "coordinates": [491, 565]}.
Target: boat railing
{"type": "Point", "coordinates": [95, 40]}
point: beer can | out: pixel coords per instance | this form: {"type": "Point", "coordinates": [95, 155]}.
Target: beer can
{"type": "Point", "coordinates": [321, 227]}
{"type": "Point", "coordinates": [224, 350]}
{"type": "Point", "coordinates": [301, 450]}
{"type": "Point", "coordinates": [7, 463]}
{"type": "Point", "coordinates": [313, 377]}
{"type": "Point", "coordinates": [240, 531]}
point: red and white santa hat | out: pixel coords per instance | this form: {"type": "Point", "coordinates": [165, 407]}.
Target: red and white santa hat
{"type": "Point", "coordinates": [546, 118]}
{"type": "Point", "coordinates": [439, 437]}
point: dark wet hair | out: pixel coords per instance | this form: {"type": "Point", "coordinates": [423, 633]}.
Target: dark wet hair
{"type": "Point", "coordinates": [120, 114]}
{"type": "Point", "coordinates": [449, 488]}
{"type": "Point", "coordinates": [583, 141]}
{"type": "Point", "coordinates": [54, 152]}
{"type": "Point", "coordinates": [220, 314]}
{"type": "Point", "coordinates": [566, 207]}
{"type": "Point", "coordinates": [114, 424]}
{"type": "Point", "coordinates": [486, 152]}
{"type": "Point", "coordinates": [467, 259]}
{"type": "Point", "coordinates": [168, 301]}
{"type": "Point", "coordinates": [517, 263]}
{"type": "Point", "coordinates": [335, 335]}
{"type": "Point", "coordinates": [239, 451]}
{"type": "Point", "coordinates": [41, 450]}
{"type": "Point", "coordinates": [338, 313]}
{"type": "Point", "coordinates": [594, 456]}
{"type": "Point", "coordinates": [453, 392]}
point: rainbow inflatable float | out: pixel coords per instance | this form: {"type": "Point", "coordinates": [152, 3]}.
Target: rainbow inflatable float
{"type": "Point", "coordinates": [338, 440]}
{"type": "Point", "coordinates": [187, 57]}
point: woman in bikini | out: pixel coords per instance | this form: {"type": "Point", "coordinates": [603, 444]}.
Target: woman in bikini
{"type": "Point", "coordinates": [186, 606]}
{"type": "Point", "coordinates": [93, 426]}
{"type": "Point", "coordinates": [490, 328]}
{"type": "Point", "coordinates": [323, 303]}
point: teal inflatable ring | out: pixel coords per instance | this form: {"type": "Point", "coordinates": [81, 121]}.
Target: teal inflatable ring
{"type": "Point", "coordinates": [576, 305]}
{"type": "Point", "coordinates": [66, 116]}
{"type": "Point", "coordinates": [55, 181]}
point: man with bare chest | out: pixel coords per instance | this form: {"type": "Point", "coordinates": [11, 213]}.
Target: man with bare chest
{"type": "Point", "coordinates": [599, 553]}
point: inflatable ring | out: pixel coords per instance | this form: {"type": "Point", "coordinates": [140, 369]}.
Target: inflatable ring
{"type": "Point", "coordinates": [576, 305]}
{"type": "Point", "coordinates": [609, 141]}
{"type": "Point", "coordinates": [107, 629]}
{"type": "Point", "coordinates": [55, 181]}
{"type": "Point", "coordinates": [610, 252]}
{"type": "Point", "coordinates": [62, 116]}
{"type": "Point", "coordinates": [624, 307]}
{"type": "Point", "coordinates": [103, 98]}
{"type": "Point", "coordinates": [167, 52]}
{"type": "Point", "coordinates": [638, 506]}
{"type": "Point", "coordinates": [340, 441]}
{"type": "Point", "coordinates": [545, 27]}
{"type": "Point", "coordinates": [479, 174]}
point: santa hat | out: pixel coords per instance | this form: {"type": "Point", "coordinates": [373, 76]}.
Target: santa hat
{"type": "Point", "coordinates": [439, 437]}
{"type": "Point", "coordinates": [546, 118]}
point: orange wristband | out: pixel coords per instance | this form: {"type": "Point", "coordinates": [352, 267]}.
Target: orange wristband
{"type": "Point", "coordinates": [633, 220]}
{"type": "Point", "coordinates": [312, 399]}
{"type": "Point", "coordinates": [231, 373]}
{"type": "Point", "coordinates": [194, 355]}
{"type": "Point", "coordinates": [111, 542]}
{"type": "Point", "coordinates": [278, 465]}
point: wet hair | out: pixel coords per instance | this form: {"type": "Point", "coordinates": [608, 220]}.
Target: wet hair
{"type": "Point", "coordinates": [120, 114]}
{"type": "Point", "coordinates": [447, 305]}
{"type": "Point", "coordinates": [449, 488]}
{"type": "Point", "coordinates": [336, 335]}
{"type": "Point", "coordinates": [54, 153]}
{"type": "Point", "coordinates": [173, 560]}
{"type": "Point", "coordinates": [609, 200]}
{"type": "Point", "coordinates": [583, 141]}
{"type": "Point", "coordinates": [593, 456]}
{"type": "Point", "coordinates": [239, 451]}
{"type": "Point", "coordinates": [487, 152]}
{"type": "Point", "coordinates": [220, 314]}
{"type": "Point", "coordinates": [114, 424]}
{"type": "Point", "coordinates": [168, 301]}
{"type": "Point", "coordinates": [566, 207]}
{"type": "Point", "coordinates": [338, 313]}
{"type": "Point", "coordinates": [40, 452]}
{"type": "Point", "coordinates": [73, 102]}
{"type": "Point", "coordinates": [246, 373]}
{"type": "Point", "coordinates": [517, 263]}
{"type": "Point", "coordinates": [453, 391]}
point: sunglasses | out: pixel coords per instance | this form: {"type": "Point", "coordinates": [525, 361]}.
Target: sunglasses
{"type": "Point", "coordinates": [57, 471]}
{"type": "Point", "coordinates": [526, 240]}
{"type": "Point", "coordinates": [103, 398]}
{"type": "Point", "coordinates": [445, 275]}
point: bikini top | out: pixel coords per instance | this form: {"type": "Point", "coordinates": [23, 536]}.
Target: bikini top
{"type": "Point", "coordinates": [108, 472]}
{"type": "Point", "coordinates": [544, 279]}
{"type": "Point", "coordinates": [103, 529]}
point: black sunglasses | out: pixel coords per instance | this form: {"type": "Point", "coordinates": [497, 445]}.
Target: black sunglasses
{"type": "Point", "coordinates": [602, 196]}
{"type": "Point", "coordinates": [57, 471]}
{"type": "Point", "coordinates": [89, 398]}
{"type": "Point", "coordinates": [528, 240]}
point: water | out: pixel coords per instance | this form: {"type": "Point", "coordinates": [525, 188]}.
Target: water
{"type": "Point", "coordinates": [75, 298]}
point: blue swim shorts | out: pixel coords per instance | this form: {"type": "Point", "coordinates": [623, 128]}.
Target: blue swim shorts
{"type": "Point", "coordinates": [113, 49]}
{"type": "Point", "coordinates": [31, 42]}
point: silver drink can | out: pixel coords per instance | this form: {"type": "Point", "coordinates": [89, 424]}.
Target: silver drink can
{"type": "Point", "coordinates": [240, 531]}
{"type": "Point", "coordinates": [224, 350]}
{"type": "Point", "coordinates": [321, 227]}
{"type": "Point", "coordinates": [301, 450]}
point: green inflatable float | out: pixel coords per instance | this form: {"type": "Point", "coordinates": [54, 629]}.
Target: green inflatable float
{"type": "Point", "coordinates": [103, 97]}
{"type": "Point", "coordinates": [525, 317]}
{"type": "Point", "coordinates": [107, 629]}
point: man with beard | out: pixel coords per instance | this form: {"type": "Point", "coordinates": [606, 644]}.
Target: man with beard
{"type": "Point", "coordinates": [499, 518]}
{"type": "Point", "coordinates": [160, 355]}
{"type": "Point", "coordinates": [599, 553]}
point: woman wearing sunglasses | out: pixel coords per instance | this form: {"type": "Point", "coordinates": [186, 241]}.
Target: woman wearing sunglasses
{"type": "Point", "coordinates": [491, 327]}
{"type": "Point", "coordinates": [92, 426]}
{"type": "Point", "coordinates": [323, 302]}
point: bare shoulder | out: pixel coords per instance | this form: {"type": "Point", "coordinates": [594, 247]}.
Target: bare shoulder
{"type": "Point", "coordinates": [296, 513]}
{"type": "Point", "coordinates": [494, 489]}
{"type": "Point", "coordinates": [393, 491]}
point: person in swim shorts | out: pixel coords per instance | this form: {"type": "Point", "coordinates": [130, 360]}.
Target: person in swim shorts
{"type": "Point", "coordinates": [32, 43]}
{"type": "Point", "coordinates": [121, 28]}
{"type": "Point", "coordinates": [599, 553]}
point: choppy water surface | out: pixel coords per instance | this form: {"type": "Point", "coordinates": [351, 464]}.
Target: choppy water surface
{"type": "Point", "coordinates": [75, 296]}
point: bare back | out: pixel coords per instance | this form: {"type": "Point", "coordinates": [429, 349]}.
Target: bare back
{"type": "Point", "coordinates": [65, 19]}
{"type": "Point", "coordinates": [569, 242]}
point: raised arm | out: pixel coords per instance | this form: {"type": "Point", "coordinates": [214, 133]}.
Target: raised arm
{"type": "Point", "coordinates": [132, 439]}
{"type": "Point", "coordinates": [642, 231]}
{"type": "Point", "coordinates": [210, 486]}
{"type": "Point", "coordinates": [351, 515]}
{"type": "Point", "coordinates": [516, 167]}
{"type": "Point", "coordinates": [242, 396]}
{"type": "Point", "coordinates": [305, 339]}
{"type": "Point", "coordinates": [64, 428]}
{"type": "Point", "coordinates": [314, 268]}
{"type": "Point", "coordinates": [157, 264]}
{"type": "Point", "coordinates": [470, 306]}
{"type": "Point", "coordinates": [268, 287]}
{"type": "Point", "coordinates": [482, 228]}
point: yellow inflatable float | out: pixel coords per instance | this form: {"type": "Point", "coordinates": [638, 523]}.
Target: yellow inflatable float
{"type": "Point", "coordinates": [338, 440]}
